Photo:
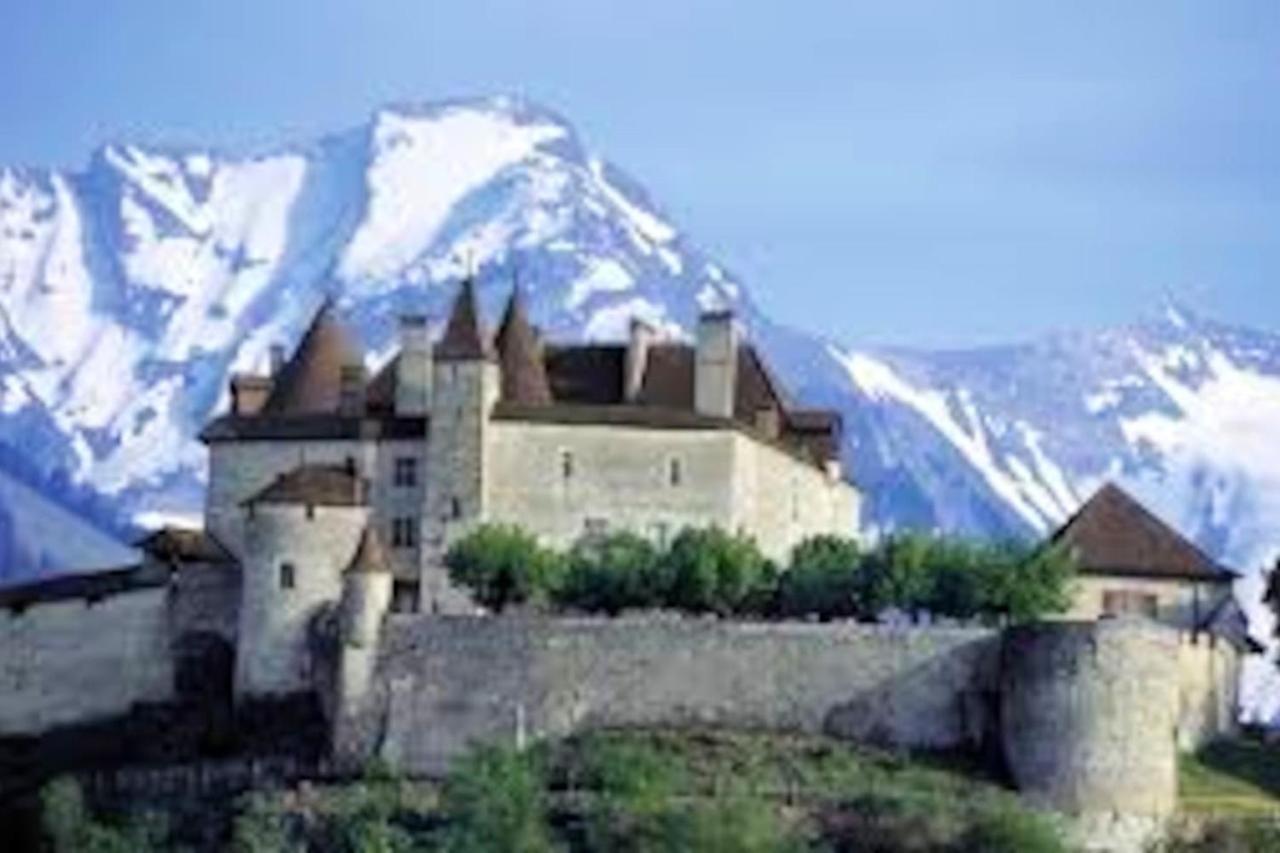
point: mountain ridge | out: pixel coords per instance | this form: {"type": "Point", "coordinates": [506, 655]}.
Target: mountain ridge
{"type": "Point", "coordinates": [130, 290]}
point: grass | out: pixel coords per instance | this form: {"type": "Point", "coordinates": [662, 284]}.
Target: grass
{"type": "Point", "coordinates": [1232, 778]}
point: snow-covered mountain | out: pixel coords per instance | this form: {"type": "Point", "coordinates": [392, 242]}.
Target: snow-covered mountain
{"type": "Point", "coordinates": [130, 290]}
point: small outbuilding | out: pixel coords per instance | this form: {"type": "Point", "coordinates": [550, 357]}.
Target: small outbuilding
{"type": "Point", "coordinates": [1133, 563]}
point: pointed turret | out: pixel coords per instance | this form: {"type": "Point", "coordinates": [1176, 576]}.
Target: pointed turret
{"type": "Point", "coordinates": [311, 382]}
{"type": "Point", "coordinates": [524, 375]}
{"type": "Point", "coordinates": [370, 557]}
{"type": "Point", "coordinates": [464, 338]}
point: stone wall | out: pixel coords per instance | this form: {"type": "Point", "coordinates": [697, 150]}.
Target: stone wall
{"type": "Point", "coordinates": [1089, 714]}
{"type": "Point", "coordinates": [623, 476]}
{"type": "Point", "coordinates": [70, 661]}
{"type": "Point", "coordinates": [783, 501]}
{"type": "Point", "coordinates": [446, 682]}
{"type": "Point", "coordinates": [1208, 690]}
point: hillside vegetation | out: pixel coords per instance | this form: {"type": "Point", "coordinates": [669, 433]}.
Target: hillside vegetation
{"type": "Point", "coordinates": [618, 791]}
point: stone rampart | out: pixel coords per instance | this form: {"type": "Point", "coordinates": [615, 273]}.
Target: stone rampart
{"type": "Point", "coordinates": [447, 682]}
{"type": "Point", "coordinates": [77, 659]}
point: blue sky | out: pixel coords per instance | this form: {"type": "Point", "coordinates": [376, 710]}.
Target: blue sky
{"type": "Point", "coordinates": [940, 174]}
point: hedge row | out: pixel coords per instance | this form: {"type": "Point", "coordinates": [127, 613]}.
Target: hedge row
{"type": "Point", "coordinates": [709, 570]}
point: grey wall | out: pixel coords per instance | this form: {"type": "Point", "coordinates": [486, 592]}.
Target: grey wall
{"type": "Point", "coordinates": [445, 682]}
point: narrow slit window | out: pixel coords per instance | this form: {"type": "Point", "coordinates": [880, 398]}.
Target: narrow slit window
{"type": "Point", "coordinates": [675, 473]}
{"type": "Point", "coordinates": [287, 576]}
{"type": "Point", "coordinates": [566, 464]}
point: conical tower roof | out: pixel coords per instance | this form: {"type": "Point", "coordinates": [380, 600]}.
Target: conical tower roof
{"type": "Point", "coordinates": [524, 375]}
{"type": "Point", "coordinates": [310, 382]}
{"type": "Point", "coordinates": [370, 557]}
{"type": "Point", "coordinates": [464, 338]}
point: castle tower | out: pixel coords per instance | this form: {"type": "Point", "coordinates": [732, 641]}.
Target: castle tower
{"type": "Point", "coordinates": [465, 387]}
{"type": "Point", "coordinates": [301, 531]}
{"type": "Point", "coordinates": [366, 598]}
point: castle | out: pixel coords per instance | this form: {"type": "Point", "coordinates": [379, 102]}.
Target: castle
{"type": "Point", "coordinates": [333, 497]}
{"type": "Point", "coordinates": [566, 441]}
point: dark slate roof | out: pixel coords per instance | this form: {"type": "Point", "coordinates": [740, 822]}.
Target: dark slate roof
{"type": "Point", "coordinates": [370, 556]}
{"type": "Point", "coordinates": [587, 379]}
{"type": "Point", "coordinates": [1113, 534]}
{"type": "Point", "coordinates": [90, 586]}
{"type": "Point", "coordinates": [524, 374]}
{"type": "Point", "coordinates": [464, 336]}
{"type": "Point", "coordinates": [309, 383]}
{"type": "Point", "coordinates": [315, 485]}
{"type": "Point", "coordinates": [175, 545]}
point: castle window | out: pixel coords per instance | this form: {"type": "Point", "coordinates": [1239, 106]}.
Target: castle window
{"type": "Point", "coordinates": [595, 528]}
{"type": "Point", "coordinates": [405, 474]}
{"type": "Point", "coordinates": [404, 532]}
{"type": "Point", "coordinates": [566, 464]}
{"type": "Point", "coordinates": [675, 473]}
{"type": "Point", "coordinates": [286, 576]}
{"type": "Point", "coordinates": [455, 508]}
{"type": "Point", "coordinates": [1127, 601]}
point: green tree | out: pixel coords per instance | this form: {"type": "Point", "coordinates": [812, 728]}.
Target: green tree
{"type": "Point", "coordinates": [714, 571]}
{"type": "Point", "coordinates": [821, 579]}
{"type": "Point", "coordinates": [494, 800]}
{"type": "Point", "coordinates": [1025, 583]}
{"type": "Point", "coordinates": [503, 565]}
{"type": "Point", "coordinates": [611, 574]}
{"type": "Point", "coordinates": [897, 573]}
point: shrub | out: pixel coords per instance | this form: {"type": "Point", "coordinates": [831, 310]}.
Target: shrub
{"type": "Point", "coordinates": [1026, 583]}
{"type": "Point", "coordinates": [494, 801]}
{"type": "Point", "coordinates": [503, 565]}
{"type": "Point", "coordinates": [68, 827]}
{"type": "Point", "coordinates": [715, 571]}
{"type": "Point", "coordinates": [821, 579]}
{"type": "Point", "coordinates": [896, 574]}
{"type": "Point", "coordinates": [612, 574]}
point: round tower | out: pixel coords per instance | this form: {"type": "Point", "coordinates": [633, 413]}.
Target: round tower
{"type": "Point", "coordinates": [1089, 716]}
{"type": "Point", "coordinates": [366, 599]}
{"type": "Point", "coordinates": [301, 531]}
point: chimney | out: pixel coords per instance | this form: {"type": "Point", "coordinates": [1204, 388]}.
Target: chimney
{"type": "Point", "coordinates": [642, 337]}
{"type": "Point", "coordinates": [351, 383]}
{"type": "Point", "coordinates": [715, 380]}
{"type": "Point", "coordinates": [249, 394]}
{"type": "Point", "coordinates": [276, 358]}
{"type": "Point", "coordinates": [413, 369]}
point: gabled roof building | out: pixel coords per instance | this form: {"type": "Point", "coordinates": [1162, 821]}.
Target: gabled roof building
{"type": "Point", "coordinates": [1132, 562]}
